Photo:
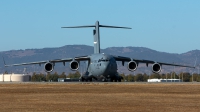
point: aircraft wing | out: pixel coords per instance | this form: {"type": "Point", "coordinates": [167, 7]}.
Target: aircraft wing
{"type": "Point", "coordinates": [41, 62]}
{"type": "Point", "coordinates": [82, 58]}
{"type": "Point", "coordinates": [127, 59]}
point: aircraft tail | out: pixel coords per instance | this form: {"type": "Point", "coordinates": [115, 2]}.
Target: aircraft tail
{"type": "Point", "coordinates": [96, 33]}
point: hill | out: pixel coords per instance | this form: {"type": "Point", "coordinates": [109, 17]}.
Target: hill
{"type": "Point", "coordinates": [70, 51]}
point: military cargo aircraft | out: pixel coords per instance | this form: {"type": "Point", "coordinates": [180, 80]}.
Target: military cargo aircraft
{"type": "Point", "coordinates": [100, 66]}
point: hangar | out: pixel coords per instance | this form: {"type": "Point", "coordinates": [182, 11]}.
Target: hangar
{"type": "Point", "coordinates": [15, 77]}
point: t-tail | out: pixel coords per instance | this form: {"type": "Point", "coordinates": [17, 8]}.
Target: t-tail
{"type": "Point", "coordinates": [96, 33]}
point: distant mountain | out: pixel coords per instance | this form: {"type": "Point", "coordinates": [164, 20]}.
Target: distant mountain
{"type": "Point", "coordinates": [70, 51]}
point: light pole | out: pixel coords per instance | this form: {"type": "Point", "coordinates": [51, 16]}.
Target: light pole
{"type": "Point", "coordinates": [182, 77]}
{"type": "Point", "coordinates": [192, 77]}
{"type": "Point", "coordinates": [174, 73]}
{"type": "Point", "coordinates": [198, 74]}
{"type": "Point", "coordinates": [171, 76]}
{"type": "Point", "coordinates": [149, 74]}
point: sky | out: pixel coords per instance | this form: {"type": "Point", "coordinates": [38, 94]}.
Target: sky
{"type": "Point", "coordinates": [171, 26]}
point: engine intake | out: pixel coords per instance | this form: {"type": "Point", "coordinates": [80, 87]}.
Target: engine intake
{"type": "Point", "coordinates": [74, 65]}
{"type": "Point", "coordinates": [48, 67]}
{"type": "Point", "coordinates": [156, 68]}
{"type": "Point", "coordinates": [132, 66]}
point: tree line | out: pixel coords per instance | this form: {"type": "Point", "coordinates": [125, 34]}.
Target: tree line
{"type": "Point", "coordinates": [184, 76]}
{"type": "Point", "coordinates": [53, 77]}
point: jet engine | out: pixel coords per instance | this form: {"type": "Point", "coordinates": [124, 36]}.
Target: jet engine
{"type": "Point", "coordinates": [74, 65]}
{"type": "Point", "coordinates": [48, 67]}
{"type": "Point", "coordinates": [156, 68]}
{"type": "Point", "coordinates": [132, 66]}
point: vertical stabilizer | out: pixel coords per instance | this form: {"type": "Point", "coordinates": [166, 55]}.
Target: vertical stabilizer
{"type": "Point", "coordinates": [96, 38]}
{"type": "Point", "coordinates": [96, 33]}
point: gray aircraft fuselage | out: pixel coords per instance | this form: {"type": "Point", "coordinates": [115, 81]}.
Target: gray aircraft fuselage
{"type": "Point", "coordinates": [101, 66]}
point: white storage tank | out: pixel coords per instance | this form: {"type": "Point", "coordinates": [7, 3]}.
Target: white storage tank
{"type": "Point", "coordinates": [14, 77]}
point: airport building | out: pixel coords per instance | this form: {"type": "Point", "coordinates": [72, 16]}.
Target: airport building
{"type": "Point", "coordinates": [164, 80]}
{"type": "Point", "coordinates": [14, 78]}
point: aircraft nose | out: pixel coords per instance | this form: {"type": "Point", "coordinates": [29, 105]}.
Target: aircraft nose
{"type": "Point", "coordinates": [106, 67]}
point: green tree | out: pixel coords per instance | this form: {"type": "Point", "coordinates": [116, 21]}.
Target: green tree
{"type": "Point", "coordinates": [195, 77]}
{"type": "Point", "coordinates": [145, 77]}
{"type": "Point", "coordinates": [168, 76]}
{"type": "Point", "coordinates": [55, 77]}
{"type": "Point", "coordinates": [138, 77]}
{"type": "Point", "coordinates": [130, 78]}
{"type": "Point", "coordinates": [163, 76]}
{"type": "Point", "coordinates": [74, 75]}
{"type": "Point", "coordinates": [198, 78]}
{"type": "Point", "coordinates": [62, 75]}
{"type": "Point", "coordinates": [34, 77]}
{"type": "Point", "coordinates": [181, 75]}
{"type": "Point", "coordinates": [174, 75]}
{"type": "Point", "coordinates": [38, 77]}
{"type": "Point", "coordinates": [155, 75]}
{"type": "Point", "coordinates": [186, 77]}
{"type": "Point", "coordinates": [49, 77]}
{"type": "Point", "coordinates": [41, 77]}
{"type": "Point", "coordinates": [124, 77]}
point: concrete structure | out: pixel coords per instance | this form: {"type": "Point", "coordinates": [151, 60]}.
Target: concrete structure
{"type": "Point", "coordinates": [164, 80]}
{"type": "Point", "coordinates": [14, 77]}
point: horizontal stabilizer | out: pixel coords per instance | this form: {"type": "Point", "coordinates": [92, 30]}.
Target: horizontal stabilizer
{"type": "Point", "coordinates": [105, 26]}
{"type": "Point", "coordinates": [79, 26]}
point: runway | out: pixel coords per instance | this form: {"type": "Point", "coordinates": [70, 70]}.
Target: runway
{"type": "Point", "coordinates": [99, 96]}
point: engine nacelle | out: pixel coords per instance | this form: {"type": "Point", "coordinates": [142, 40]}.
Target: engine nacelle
{"type": "Point", "coordinates": [132, 66]}
{"type": "Point", "coordinates": [74, 65]}
{"type": "Point", "coordinates": [48, 67]}
{"type": "Point", "coordinates": [156, 68]}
